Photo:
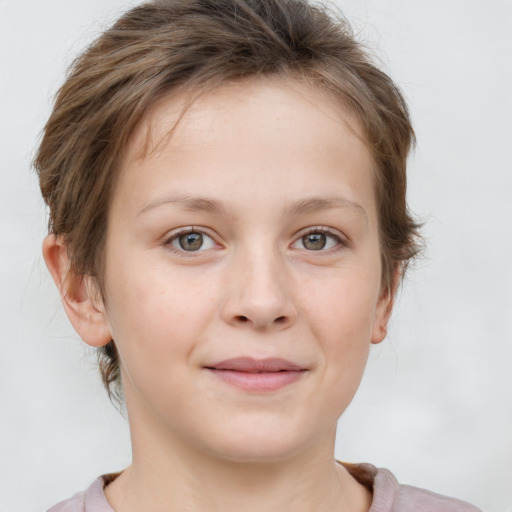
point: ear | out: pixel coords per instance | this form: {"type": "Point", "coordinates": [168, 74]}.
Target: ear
{"type": "Point", "coordinates": [384, 309]}
{"type": "Point", "coordinates": [79, 295]}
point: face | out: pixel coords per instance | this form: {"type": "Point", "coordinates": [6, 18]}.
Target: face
{"type": "Point", "coordinates": [243, 271]}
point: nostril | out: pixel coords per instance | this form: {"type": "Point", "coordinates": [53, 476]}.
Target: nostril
{"type": "Point", "coordinates": [261, 323]}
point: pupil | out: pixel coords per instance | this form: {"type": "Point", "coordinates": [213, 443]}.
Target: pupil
{"type": "Point", "coordinates": [315, 241]}
{"type": "Point", "coordinates": [191, 241]}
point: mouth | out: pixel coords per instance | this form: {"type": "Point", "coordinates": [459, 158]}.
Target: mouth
{"type": "Point", "coordinates": [257, 375]}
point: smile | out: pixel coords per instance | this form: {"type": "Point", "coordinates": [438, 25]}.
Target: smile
{"type": "Point", "coordinates": [257, 375]}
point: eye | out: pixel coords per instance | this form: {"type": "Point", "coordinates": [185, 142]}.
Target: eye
{"type": "Point", "coordinates": [191, 240]}
{"type": "Point", "coordinates": [317, 239]}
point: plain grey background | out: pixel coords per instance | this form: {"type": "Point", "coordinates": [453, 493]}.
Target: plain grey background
{"type": "Point", "coordinates": [435, 405]}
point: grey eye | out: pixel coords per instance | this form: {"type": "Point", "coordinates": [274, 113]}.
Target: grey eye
{"type": "Point", "coordinates": [317, 240]}
{"type": "Point", "coordinates": [314, 241]}
{"type": "Point", "coordinates": [192, 241]}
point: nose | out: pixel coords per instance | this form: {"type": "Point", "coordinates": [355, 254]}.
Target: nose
{"type": "Point", "coordinates": [260, 293]}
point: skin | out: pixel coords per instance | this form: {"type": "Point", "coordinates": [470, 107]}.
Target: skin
{"type": "Point", "coordinates": [255, 153]}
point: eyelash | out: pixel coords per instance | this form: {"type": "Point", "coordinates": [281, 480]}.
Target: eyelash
{"type": "Point", "coordinates": [185, 231]}
{"type": "Point", "coordinates": [339, 242]}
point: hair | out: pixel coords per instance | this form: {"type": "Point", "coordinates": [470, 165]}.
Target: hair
{"type": "Point", "coordinates": [196, 45]}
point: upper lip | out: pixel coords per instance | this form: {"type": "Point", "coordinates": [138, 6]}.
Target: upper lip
{"type": "Point", "coordinates": [251, 365]}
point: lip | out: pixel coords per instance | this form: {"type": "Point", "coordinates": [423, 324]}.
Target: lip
{"type": "Point", "coordinates": [257, 375]}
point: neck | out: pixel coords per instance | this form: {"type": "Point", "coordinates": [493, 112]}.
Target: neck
{"type": "Point", "coordinates": [179, 478]}
{"type": "Point", "coordinates": [169, 473]}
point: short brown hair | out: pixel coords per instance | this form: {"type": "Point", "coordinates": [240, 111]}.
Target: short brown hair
{"type": "Point", "coordinates": [163, 45]}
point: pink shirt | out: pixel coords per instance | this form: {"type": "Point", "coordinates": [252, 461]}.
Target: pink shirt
{"type": "Point", "coordinates": [388, 495]}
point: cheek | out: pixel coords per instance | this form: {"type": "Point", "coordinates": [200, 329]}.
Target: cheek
{"type": "Point", "coordinates": [345, 351]}
{"type": "Point", "coordinates": [342, 313]}
{"type": "Point", "coordinates": [155, 315]}
{"type": "Point", "coordinates": [342, 304]}
{"type": "Point", "coordinates": [156, 325]}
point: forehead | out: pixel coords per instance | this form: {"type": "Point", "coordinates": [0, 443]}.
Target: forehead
{"type": "Point", "coordinates": [287, 134]}
{"type": "Point", "coordinates": [278, 104]}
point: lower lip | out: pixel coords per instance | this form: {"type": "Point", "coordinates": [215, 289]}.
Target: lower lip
{"type": "Point", "coordinates": [261, 381]}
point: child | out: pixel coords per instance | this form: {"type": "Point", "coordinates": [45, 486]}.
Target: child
{"type": "Point", "coordinates": [228, 225]}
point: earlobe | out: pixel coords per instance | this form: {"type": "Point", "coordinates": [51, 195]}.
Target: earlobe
{"type": "Point", "coordinates": [82, 304]}
{"type": "Point", "coordinates": [381, 318]}
{"type": "Point", "coordinates": [384, 310]}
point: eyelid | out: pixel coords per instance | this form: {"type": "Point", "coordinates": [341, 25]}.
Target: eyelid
{"type": "Point", "coordinates": [170, 237]}
{"type": "Point", "coordinates": [342, 241]}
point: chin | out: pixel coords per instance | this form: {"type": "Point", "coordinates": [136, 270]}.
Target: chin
{"type": "Point", "coordinates": [259, 442]}
{"type": "Point", "coordinates": [254, 452]}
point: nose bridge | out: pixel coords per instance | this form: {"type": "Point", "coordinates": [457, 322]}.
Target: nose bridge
{"type": "Point", "coordinates": [260, 287]}
{"type": "Point", "coordinates": [263, 272]}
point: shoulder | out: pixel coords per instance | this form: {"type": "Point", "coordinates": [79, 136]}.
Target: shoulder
{"type": "Point", "coordinates": [74, 504]}
{"type": "Point", "coordinates": [390, 496]}
{"type": "Point", "coordinates": [414, 499]}
{"type": "Point", "coordinates": [91, 500]}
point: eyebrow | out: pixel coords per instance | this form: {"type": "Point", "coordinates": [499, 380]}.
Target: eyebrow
{"type": "Point", "coordinates": [317, 204]}
{"type": "Point", "coordinates": [303, 206]}
{"type": "Point", "coordinates": [188, 203]}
